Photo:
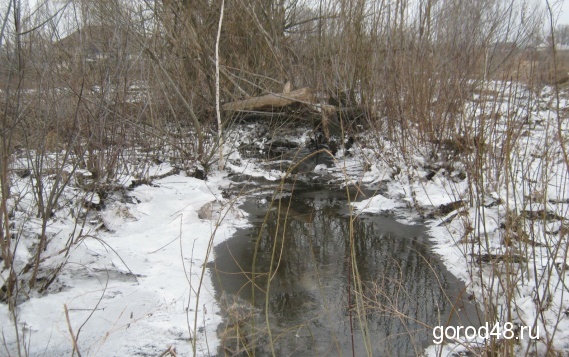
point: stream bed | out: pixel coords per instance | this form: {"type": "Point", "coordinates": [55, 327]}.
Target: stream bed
{"type": "Point", "coordinates": [313, 306]}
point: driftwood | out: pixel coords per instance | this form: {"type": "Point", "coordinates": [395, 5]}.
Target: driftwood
{"type": "Point", "coordinates": [271, 101]}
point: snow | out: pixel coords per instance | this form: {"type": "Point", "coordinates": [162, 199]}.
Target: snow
{"type": "Point", "coordinates": [135, 281]}
{"type": "Point", "coordinates": [320, 168]}
{"type": "Point", "coordinates": [377, 203]}
{"type": "Point", "coordinates": [250, 169]}
{"type": "Point", "coordinates": [140, 287]}
{"type": "Point", "coordinates": [473, 229]}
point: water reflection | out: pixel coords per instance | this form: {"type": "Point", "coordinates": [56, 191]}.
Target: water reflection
{"type": "Point", "coordinates": [310, 295]}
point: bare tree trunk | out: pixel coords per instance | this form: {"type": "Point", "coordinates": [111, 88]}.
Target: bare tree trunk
{"type": "Point", "coordinates": [217, 99]}
{"type": "Point", "coordinates": [5, 189]}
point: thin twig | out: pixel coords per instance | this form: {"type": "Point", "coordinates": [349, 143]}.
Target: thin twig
{"type": "Point", "coordinates": [75, 347]}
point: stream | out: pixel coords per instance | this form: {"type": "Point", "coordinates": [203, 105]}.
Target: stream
{"type": "Point", "coordinates": [313, 306]}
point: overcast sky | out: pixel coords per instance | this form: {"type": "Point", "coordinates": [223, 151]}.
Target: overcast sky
{"type": "Point", "coordinates": [564, 13]}
{"type": "Point", "coordinates": [560, 7]}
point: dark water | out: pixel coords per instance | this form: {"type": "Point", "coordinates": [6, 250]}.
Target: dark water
{"type": "Point", "coordinates": [314, 306]}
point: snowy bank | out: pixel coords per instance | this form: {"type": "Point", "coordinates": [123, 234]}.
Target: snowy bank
{"type": "Point", "coordinates": [142, 286]}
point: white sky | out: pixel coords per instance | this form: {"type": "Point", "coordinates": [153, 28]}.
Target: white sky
{"type": "Point", "coordinates": [560, 7]}
{"type": "Point", "coordinates": [564, 13]}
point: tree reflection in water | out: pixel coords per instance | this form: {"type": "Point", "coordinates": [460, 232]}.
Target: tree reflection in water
{"type": "Point", "coordinates": [405, 288]}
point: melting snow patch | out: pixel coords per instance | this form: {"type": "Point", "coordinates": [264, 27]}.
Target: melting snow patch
{"type": "Point", "coordinates": [321, 168]}
{"type": "Point", "coordinates": [377, 203]}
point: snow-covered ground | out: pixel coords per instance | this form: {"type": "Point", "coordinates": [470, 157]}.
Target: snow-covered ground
{"type": "Point", "coordinates": [134, 281]}
{"type": "Point", "coordinates": [138, 287]}
{"type": "Point", "coordinates": [502, 232]}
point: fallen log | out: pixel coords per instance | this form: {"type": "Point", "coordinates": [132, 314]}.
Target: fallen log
{"type": "Point", "coordinates": [271, 101]}
{"type": "Point", "coordinates": [327, 116]}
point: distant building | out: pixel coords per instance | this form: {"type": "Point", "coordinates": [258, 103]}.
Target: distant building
{"type": "Point", "coordinates": [93, 43]}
